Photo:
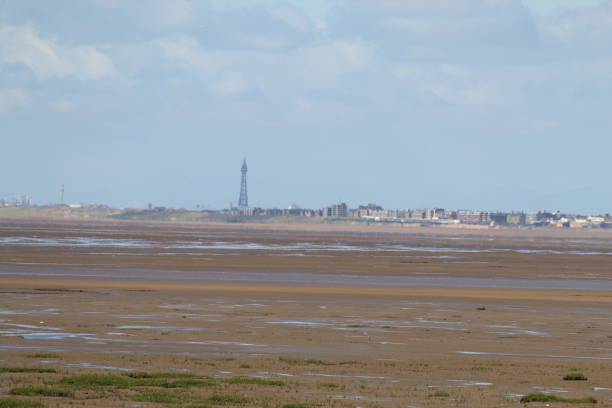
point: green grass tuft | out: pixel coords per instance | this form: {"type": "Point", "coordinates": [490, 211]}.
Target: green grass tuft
{"type": "Point", "coordinates": [575, 377]}
{"type": "Point", "coordinates": [249, 380]}
{"type": "Point", "coordinates": [226, 400]}
{"type": "Point", "coordinates": [141, 380]}
{"type": "Point", "coordinates": [41, 390]}
{"type": "Point", "coordinates": [303, 361]}
{"type": "Point", "coordinates": [440, 394]}
{"type": "Point", "coordinates": [554, 398]}
{"type": "Point", "coordinates": [26, 370]}
{"type": "Point", "coordinates": [142, 374]}
{"type": "Point", "coordinates": [14, 403]}
{"type": "Point", "coordinates": [329, 385]}
{"type": "Point", "coordinates": [96, 380]}
{"type": "Point", "coordinates": [296, 406]}
{"type": "Point", "coordinates": [162, 397]}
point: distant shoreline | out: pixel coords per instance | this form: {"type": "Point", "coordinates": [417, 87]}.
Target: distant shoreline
{"type": "Point", "coordinates": [195, 221]}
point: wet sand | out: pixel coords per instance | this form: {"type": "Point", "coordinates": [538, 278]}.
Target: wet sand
{"type": "Point", "coordinates": [377, 321]}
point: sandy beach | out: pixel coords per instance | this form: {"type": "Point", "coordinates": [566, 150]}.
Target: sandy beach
{"type": "Point", "coordinates": [327, 318]}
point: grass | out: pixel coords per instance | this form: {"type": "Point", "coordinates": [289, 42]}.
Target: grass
{"type": "Point", "coordinates": [26, 370]}
{"type": "Point", "coordinates": [143, 374]}
{"type": "Point", "coordinates": [136, 380]}
{"type": "Point", "coordinates": [554, 398]}
{"type": "Point", "coordinates": [43, 355]}
{"type": "Point", "coordinates": [329, 385]}
{"type": "Point", "coordinates": [162, 397]}
{"type": "Point", "coordinates": [256, 381]}
{"type": "Point", "coordinates": [481, 308]}
{"type": "Point", "coordinates": [440, 394]}
{"type": "Point", "coordinates": [296, 406]}
{"type": "Point", "coordinates": [245, 366]}
{"type": "Point", "coordinates": [575, 377]}
{"type": "Point", "coordinates": [226, 400]}
{"type": "Point", "coordinates": [41, 390]}
{"type": "Point", "coordinates": [14, 403]}
{"type": "Point", "coordinates": [303, 361]}
{"type": "Point", "coordinates": [96, 380]}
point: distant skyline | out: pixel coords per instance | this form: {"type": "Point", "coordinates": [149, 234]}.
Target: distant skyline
{"type": "Point", "coordinates": [490, 104]}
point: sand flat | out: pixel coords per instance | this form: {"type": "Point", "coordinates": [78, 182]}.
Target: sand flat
{"type": "Point", "coordinates": [337, 317]}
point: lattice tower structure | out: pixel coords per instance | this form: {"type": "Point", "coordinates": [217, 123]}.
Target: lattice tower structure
{"type": "Point", "coordinates": [243, 201]}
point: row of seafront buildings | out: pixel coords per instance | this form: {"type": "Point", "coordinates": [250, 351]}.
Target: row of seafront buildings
{"type": "Point", "coordinates": [433, 216]}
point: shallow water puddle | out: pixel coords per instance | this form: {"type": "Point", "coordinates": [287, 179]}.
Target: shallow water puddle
{"type": "Point", "coordinates": [177, 328]}
{"type": "Point", "coordinates": [485, 353]}
{"type": "Point", "coordinates": [518, 332]}
{"type": "Point", "coordinates": [545, 390]}
{"type": "Point", "coordinates": [254, 305]}
{"type": "Point", "coordinates": [29, 326]}
{"type": "Point", "coordinates": [34, 335]}
{"type": "Point", "coordinates": [227, 343]}
{"type": "Point", "coordinates": [366, 377]}
{"type": "Point", "coordinates": [278, 374]}
{"type": "Point", "coordinates": [29, 312]}
{"type": "Point", "coordinates": [473, 383]}
{"type": "Point", "coordinates": [300, 323]}
{"type": "Point", "coordinates": [100, 367]}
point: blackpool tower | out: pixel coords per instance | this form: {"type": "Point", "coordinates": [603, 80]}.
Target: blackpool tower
{"type": "Point", "coordinates": [243, 201]}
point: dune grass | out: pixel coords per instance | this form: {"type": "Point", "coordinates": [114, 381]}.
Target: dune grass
{"type": "Point", "coordinates": [42, 390]}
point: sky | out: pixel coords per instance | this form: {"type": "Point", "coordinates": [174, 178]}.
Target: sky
{"type": "Point", "coordinates": [489, 104]}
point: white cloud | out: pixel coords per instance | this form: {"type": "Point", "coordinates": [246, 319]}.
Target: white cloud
{"type": "Point", "coordinates": [326, 62]}
{"type": "Point", "coordinates": [168, 14]}
{"type": "Point", "coordinates": [63, 105]}
{"type": "Point", "coordinates": [585, 27]}
{"type": "Point", "coordinates": [453, 84]}
{"type": "Point", "coordinates": [186, 51]}
{"type": "Point", "coordinates": [231, 83]}
{"type": "Point", "coordinates": [12, 100]}
{"type": "Point", "coordinates": [47, 59]}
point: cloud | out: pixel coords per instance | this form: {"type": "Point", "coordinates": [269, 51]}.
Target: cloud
{"type": "Point", "coordinates": [589, 27]}
{"type": "Point", "coordinates": [231, 83]}
{"type": "Point", "coordinates": [63, 105]}
{"type": "Point", "coordinates": [22, 45]}
{"type": "Point", "coordinates": [12, 100]}
{"type": "Point", "coordinates": [326, 62]}
{"type": "Point", "coordinates": [437, 29]}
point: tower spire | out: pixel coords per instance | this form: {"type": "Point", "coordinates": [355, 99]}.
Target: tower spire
{"type": "Point", "coordinates": [243, 201]}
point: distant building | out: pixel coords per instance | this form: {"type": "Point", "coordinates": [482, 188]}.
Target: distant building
{"type": "Point", "coordinates": [499, 218]}
{"type": "Point", "coordinates": [336, 210]}
{"type": "Point", "coordinates": [474, 217]}
{"type": "Point", "coordinates": [516, 219]}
